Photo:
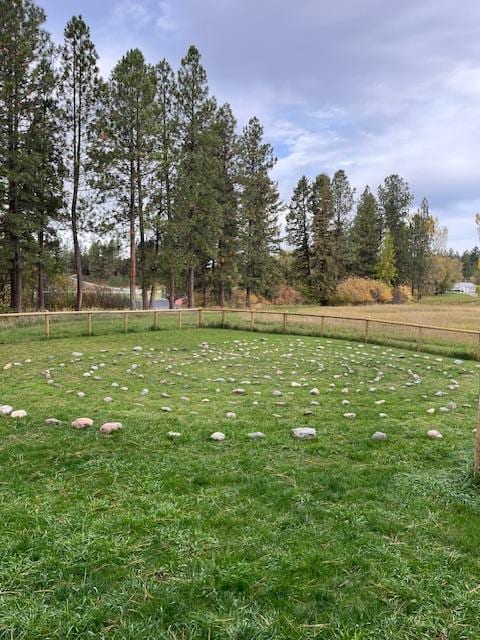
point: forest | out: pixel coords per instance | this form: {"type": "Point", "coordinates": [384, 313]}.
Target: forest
{"type": "Point", "coordinates": [144, 180]}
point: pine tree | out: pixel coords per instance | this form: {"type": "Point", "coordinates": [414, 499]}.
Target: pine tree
{"type": "Point", "coordinates": [259, 206]}
{"type": "Point", "coordinates": [21, 42]}
{"type": "Point", "coordinates": [80, 90]}
{"type": "Point", "coordinates": [420, 236]}
{"type": "Point", "coordinates": [45, 176]}
{"type": "Point", "coordinates": [226, 266]}
{"type": "Point", "coordinates": [123, 153]}
{"type": "Point", "coordinates": [385, 268]}
{"type": "Point", "coordinates": [343, 198]}
{"type": "Point", "coordinates": [323, 240]}
{"type": "Point", "coordinates": [166, 247]}
{"type": "Point", "coordinates": [395, 200]}
{"type": "Point", "coordinates": [196, 203]}
{"type": "Point", "coordinates": [299, 230]}
{"type": "Point", "coordinates": [366, 235]}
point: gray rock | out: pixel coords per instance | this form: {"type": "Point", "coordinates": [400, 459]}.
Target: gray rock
{"type": "Point", "coordinates": [218, 436]}
{"type": "Point", "coordinates": [5, 409]}
{"type": "Point", "coordinates": [53, 421]}
{"type": "Point", "coordinates": [433, 433]}
{"type": "Point", "coordinates": [19, 413]}
{"type": "Point", "coordinates": [255, 435]}
{"type": "Point", "coordinates": [379, 435]}
{"type": "Point", "coordinates": [304, 433]}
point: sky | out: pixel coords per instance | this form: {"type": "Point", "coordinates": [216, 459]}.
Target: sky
{"type": "Point", "coordinates": [373, 87]}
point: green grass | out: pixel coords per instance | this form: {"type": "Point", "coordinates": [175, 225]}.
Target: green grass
{"type": "Point", "coordinates": [135, 536]}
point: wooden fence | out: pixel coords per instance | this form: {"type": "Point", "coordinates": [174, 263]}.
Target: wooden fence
{"type": "Point", "coordinates": [284, 321]}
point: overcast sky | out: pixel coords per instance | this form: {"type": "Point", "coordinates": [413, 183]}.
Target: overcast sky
{"type": "Point", "coordinates": [370, 86]}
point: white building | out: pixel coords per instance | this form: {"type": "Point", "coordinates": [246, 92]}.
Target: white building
{"type": "Point", "coordinates": [464, 287]}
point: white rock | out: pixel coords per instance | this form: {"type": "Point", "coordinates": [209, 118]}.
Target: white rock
{"type": "Point", "coordinates": [431, 410]}
{"type": "Point", "coordinates": [137, 349]}
{"type": "Point", "coordinates": [80, 394]}
{"type": "Point", "coordinates": [108, 399]}
{"type": "Point", "coordinates": [314, 392]}
{"type": "Point", "coordinates": [144, 392]}
{"type": "Point", "coordinates": [295, 384]}
{"type": "Point", "coordinates": [255, 435]}
{"type": "Point", "coordinates": [109, 427]}
{"type": "Point", "coordinates": [276, 393]}
{"type": "Point", "coordinates": [433, 433]}
{"type": "Point", "coordinates": [383, 415]}
{"type": "Point", "coordinates": [167, 409]}
{"type": "Point", "coordinates": [217, 436]}
{"type": "Point", "coordinates": [238, 391]}
{"type": "Point", "coordinates": [5, 409]}
{"type": "Point", "coordinates": [19, 413]}
{"type": "Point", "coordinates": [174, 434]}
{"type": "Point", "coordinates": [304, 433]}
{"type": "Point", "coordinates": [230, 414]}
{"type": "Point", "coordinates": [350, 415]}
{"type": "Point", "coordinates": [7, 366]}
{"type": "Point", "coordinates": [52, 421]}
{"type": "Point", "coordinates": [379, 435]}
{"type": "Point", "coordinates": [82, 423]}
{"type": "Point", "coordinates": [452, 406]}
{"type": "Point", "coordinates": [77, 354]}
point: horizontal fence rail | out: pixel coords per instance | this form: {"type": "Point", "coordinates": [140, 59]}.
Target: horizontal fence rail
{"type": "Point", "coordinates": [257, 320]}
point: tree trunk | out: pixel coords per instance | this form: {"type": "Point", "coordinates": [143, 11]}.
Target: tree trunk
{"type": "Point", "coordinates": [247, 298]}
{"type": "Point", "coordinates": [40, 274]}
{"type": "Point", "coordinates": [221, 294]}
{"type": "Point", "coordinates": [133, 252]}
{"type": "Point", "coordinates": [171, 289]}
{"type": "Point", "coordinates": [141, 219]}
{"type": "Point", "coordinates": [476, 461]}
{"type": "Point", "coordinates": [78, 266]}
{"type": "Point", "coordinates": [153, 293]}
{"type": "Point", "coordinates": [191, 287]}
{"type": "Point", "coordinates": [17, 277]}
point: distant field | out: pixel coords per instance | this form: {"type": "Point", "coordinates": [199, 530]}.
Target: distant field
{"type": "Point", "coordinates": [450, 310]}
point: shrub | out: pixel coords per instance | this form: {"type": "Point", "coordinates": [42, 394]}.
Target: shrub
{"type": "Point", "coordinates": [237, 299]}
{"type": "Point", "coordinates": [401, 294]}
{"type": "Point", "coordinates": [287, 295]}
{"type": "Point", "coordinates": [356, 290]}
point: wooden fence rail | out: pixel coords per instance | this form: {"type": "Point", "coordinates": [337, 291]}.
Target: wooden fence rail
{"type": "Point", "coordinates": [202, 314]}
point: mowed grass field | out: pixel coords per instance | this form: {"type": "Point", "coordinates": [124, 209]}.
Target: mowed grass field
{"type": "Point", "coordinates": [137, 535]}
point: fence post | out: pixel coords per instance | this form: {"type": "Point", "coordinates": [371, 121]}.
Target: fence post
{"type": "Point", "coordinates": [223, 319]}
{"type": "Point", "coordinates": [47, 325]}
{"type": "Point", "coordinates": [367, 322]}
{"type": "Point", "coordinates": [179, 319]}
{"type": "Point", "coordinates": [419, 338]}
{"type": "Point", "coordinates": [252, 320]}
{"type": "Point", "coordinates": [478, 348]}
{"type": "Point", "coordinates": [155, 319]}
{"type": "Point", "coordinates": [125, 322]}
{"type": "Point", "coordinates": [285, 317]}
{"type": "Point", "coordinates": [89, 322]}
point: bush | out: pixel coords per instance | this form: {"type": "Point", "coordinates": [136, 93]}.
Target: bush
{"type": "Point", "coordinates": [237, 299]}
{"type": "Point", "coordinates": [402, 294]}
{"type": "Point", "coordinates": [287, 295]}
{"type": "Point", "coordinates": [61, 295]}
{"type": "Point", "coordinates": [355, 290]}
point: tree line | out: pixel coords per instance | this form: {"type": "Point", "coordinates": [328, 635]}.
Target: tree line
{"type": "Point", "coordinates": [150, 155]}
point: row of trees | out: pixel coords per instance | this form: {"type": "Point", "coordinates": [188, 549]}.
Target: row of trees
{"type": "Point", "coordinates": [333, 235]}
{"type": "Point", "coordinates": [150, 156]}
{"type": "Point", "coordinates": [149, 151]}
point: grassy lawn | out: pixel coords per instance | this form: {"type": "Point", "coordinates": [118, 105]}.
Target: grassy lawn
{"type": "Point", "coordinates": [138, 536]}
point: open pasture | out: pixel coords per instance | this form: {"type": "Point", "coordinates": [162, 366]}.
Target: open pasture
{"type": "Point", "coordinates": [141, 535]}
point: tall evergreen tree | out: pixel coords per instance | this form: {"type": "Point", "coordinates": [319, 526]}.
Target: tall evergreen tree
{"type": "Point", "coordinates": [226, 265]}
{"type": "Point", "coordinates": [21, 41]}
{"type": "Point", "coordinates": [123, 153]}
{"type": "Point", "coordinates": [80, 90]}
{"type": "Point", "coordinates": [395, 200]}
{"type": "Point", "coordinates": [196, 198]}
{"type": "Point", "coordinates": [323, 240]}
{"type": "Point", "coordinates": [343, 198]}
{"type": "Point", "coordinates": [420, 236]}
{"type": "Point", "coordinates": [166, 248]}
{"type": "Point", "coordinates": [46, 173]}
{"type": "Point", "coordinates": [299, 231]}
{"type": "Point", "coordinates": [366, 235]}
{"type": "Point", "coordinates": [259, 206]}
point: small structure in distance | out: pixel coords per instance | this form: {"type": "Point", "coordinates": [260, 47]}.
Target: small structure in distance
{"type": "Point", "coordinates": [464, 287]}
